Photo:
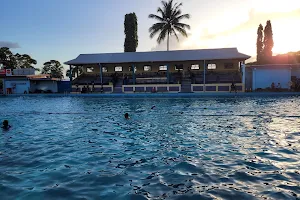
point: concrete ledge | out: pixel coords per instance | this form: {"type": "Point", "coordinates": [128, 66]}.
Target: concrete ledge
{"type": "Point", "coordinates": [163, 95]}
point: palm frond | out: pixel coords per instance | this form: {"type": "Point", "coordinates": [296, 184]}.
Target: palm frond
{"type": "Point", "coordinates": [163, 14]}
{"type": "Point", "coordinates": [173, 31]}
{"type": "Point", "coordinates": [181, 31]}
{"type": "Point", "coordinates": [162, 35]}
{"type": "Point", "coordinates": [175, 10]}
{"type": "Point", "coordinates": [185, 16]}
{"type": "Point", "coordinates": [175, 14]}
{"type": "Point", "coordinates": [155, 28]}
{"type": "Point", "coordinates": [169, 16]}
{"type": "Point", "coordinates": [182, 25]}
{"type": "Point", "coordinates": [152, 16]}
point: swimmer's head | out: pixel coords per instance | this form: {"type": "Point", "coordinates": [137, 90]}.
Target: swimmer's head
{"type": "Point", "coordinates": [126, 116]}
{"type": "Point", "coordinates": [5, 123]}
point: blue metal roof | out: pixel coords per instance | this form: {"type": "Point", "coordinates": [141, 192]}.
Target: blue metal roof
{"type": "Point", "coordinates": [159, 56]}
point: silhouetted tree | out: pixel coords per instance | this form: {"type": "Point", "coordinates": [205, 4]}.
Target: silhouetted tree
{"type": "Point", "coordinates": [25, 61]}
{"type": "Point", "coordinates": [75, 71]}
{"type": "Point", "coordinates": [259, 44]}
{"type": "Point", "coordinates": [7, 58]}
{"type": "Point", "coordinates": [54, 68]}
{"type": "Point", "coordinates": [268, 42]}
{"type": "Point", "coordinates": [169, 22]}
{"type": "Point", "coordinates": [130, 30]}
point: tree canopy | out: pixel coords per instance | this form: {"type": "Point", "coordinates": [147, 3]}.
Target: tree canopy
{"type": "Point", "coordinates": [268, 41]}
{"type": "Point", "coordinates": [130, 30]}
{"type": "Point", "coordinates": [259, 44]}
{"type": "Point", "coordinates": [54, 68]}
{"type": "Point", "coordinates": [75, 70]}
{"type": "Point", "coordinates": [25, 61]}
{"type": "Point", "coordinates": [169, 22]}
{"type": "Point", "coordinates": [264, 44]}
{"type": "Point", "coordinates": [7, 58]}
{"type": "Point", "coordinates": [13, 61]}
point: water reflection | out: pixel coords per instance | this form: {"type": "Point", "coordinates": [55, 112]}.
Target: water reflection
{"type": "Point", "coordinates": [236, 148]}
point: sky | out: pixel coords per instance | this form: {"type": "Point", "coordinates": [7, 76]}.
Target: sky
{"type": "Point", "coordinates": [63, 29]}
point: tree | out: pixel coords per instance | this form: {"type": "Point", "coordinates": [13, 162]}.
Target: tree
{"type": "Point", "coordinates": [54, 68]}
{"type": "Point", "coordinates": [75, 70]}
{"type": "Point", "coordinates": [268, 42]}
{"type": "Point", "coordinates": [259, 44]}
{"type": "Point", "coordinates": [169, 22]}
{"type": "Point", "coordinates": [130, 30]}
{"type": "Point", "coordinates": [7, 58]}
{"type": "Point", "coordinates": [25, 61]}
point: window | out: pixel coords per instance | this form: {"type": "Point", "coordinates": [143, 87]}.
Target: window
{"type": "Point", "coordinates": [104, 69]}
{"type": "Point", "coordinates": [228, 66]}
{"type": "Point", "coordinates": [147, 68]}
{"type": "Point", "coordinates": [195, 67]}
{"type": "Point", "coordinates": [179, 67]}
{"type": "Point", "coordinates": [89, 69]}
{"type": "Point", "coordinates": [211, 66]}
{"type": "Point", "coordinates": [163, 68]}
{"type": "Point", "coordinates": [118, 68]}
{"type": "Point", "coordinates": [130, 69]}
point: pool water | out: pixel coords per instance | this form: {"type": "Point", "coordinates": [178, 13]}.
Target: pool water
{"type": "Point", "coordinates": [210, 148]}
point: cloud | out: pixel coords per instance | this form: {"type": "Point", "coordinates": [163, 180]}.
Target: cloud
{"type": "Point", "coordinates": [255, 18]}
{"type": "Point", "coordinates": [242, 35]}
{"type": "Point", "coordinates": [11, 45]}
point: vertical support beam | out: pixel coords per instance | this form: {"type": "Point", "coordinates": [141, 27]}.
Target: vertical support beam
{"type": "Point", "coordinates": [243, 77]}
{"type": "Point", "coordinates": [168, 74]}
{"type": "Point", "coordinates": [4, 86]}
{"type": "Point", "coordinates": [70, 76]}
{"type": "Point", "coordinates": [254, 79]}
{"type": "Point", "coordinates": [204, 77]}
{"type": "Point", "coordinates": [101, 73]}
{"type": "Point", "coordinates": [133, 73]}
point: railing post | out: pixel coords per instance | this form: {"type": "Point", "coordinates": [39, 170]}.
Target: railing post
{"type": "Point", "coordinates": [168, 75]}
{"type": "Point", "coordinates": [133, 74]}
{"type": "Point", "coordinates": [204, 77]}
{"type": "Point", "coordinates": [101, 73]}
{"type": "Point", "coordinates": [71, 77]}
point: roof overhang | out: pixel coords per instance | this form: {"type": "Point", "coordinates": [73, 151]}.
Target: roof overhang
{"type": "Point", "coordinates": [159, 56]}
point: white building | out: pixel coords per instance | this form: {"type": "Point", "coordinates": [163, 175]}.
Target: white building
{"type": "Point", "coordinates": [262, 76]}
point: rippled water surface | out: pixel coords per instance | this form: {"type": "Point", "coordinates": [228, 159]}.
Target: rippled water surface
{"type": "Point", "coordinates": [213, 148]}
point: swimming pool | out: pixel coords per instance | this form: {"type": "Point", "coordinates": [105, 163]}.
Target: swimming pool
{"type": "Point", "coordinates": [206, 148]}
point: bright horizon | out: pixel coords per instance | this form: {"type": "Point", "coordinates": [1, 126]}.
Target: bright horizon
{"type": "Point", "coordinates": [63, 30]}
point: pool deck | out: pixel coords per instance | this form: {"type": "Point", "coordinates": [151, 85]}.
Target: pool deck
{"type": "Point", "coordinates": [163, 95]}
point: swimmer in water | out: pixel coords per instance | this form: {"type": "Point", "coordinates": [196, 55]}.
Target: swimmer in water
{"type": "Point", "coordinates": [126, 116]}
{"type": "Point", "coordinates": [6, 126]}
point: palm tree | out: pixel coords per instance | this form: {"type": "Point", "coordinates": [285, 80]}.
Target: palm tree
{"type": "Point", "coordinates": [169, 22]}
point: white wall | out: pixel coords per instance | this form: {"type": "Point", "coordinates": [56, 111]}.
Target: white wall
{"type": "Point", "coordinates": [264, 77]}
{"type": "Point", "coordinates": [44, 85]}
{"type": "Point", "coordinates": [18, 86]}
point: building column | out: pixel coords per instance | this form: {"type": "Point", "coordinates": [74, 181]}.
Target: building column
{"type": "Point", "coordinates": [70, 75]}
{"type": "Point", "coordinates": [4, 86]}
{"type": "Point", "coordinates": [77, 72]}
{"type": "Point", "coordinates": [254, 79]}
{"type": "Point", "coordinates": [168, 74]}
{"type": "Point", "coordinates": [204, 77]}
{"type": "Point", "coordinates": [243, 76]}
{"type": "Point", "coordinates": [133, 73]}
{"type": "Point", "coordinates": [101, 73]}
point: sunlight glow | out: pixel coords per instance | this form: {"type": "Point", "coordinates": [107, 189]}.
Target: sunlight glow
{"type": "Point", "coordinates": [286, 36]}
